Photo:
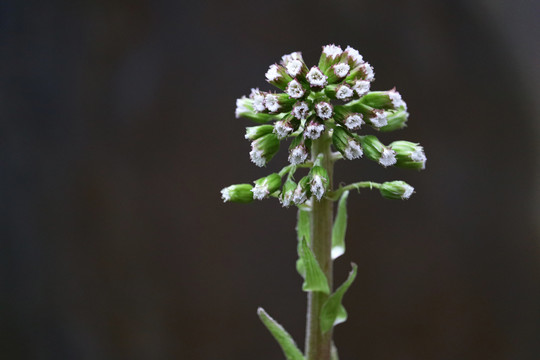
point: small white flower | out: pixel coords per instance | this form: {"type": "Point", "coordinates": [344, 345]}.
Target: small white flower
{"type": "Point", "coordinates": [341, 70]}
{"type": "Point", "coordinates": [286, 199]}
{"type": "Point", "coordinates": [299, 196]}
{"type": "Point", "coordinates": [257, 156]}
{"type": "Point", "coordinates": [396, 99]}
{"type": "Point", "coordinates": [353, 150]}
{"type": "Point", "coordinates": [300, 110]}
{"type": "Point", "coordinates": [241, 106]}
{"type": "Point", "coordinates": [286, 59]}
{"type": "Point", "coordinates": [258, 100]}
{"type": "Point", "coordinates": [316, 78]}
{"type": "Point", "coordinates": [225, 194]}
{"type": "Point", "coordinates": [314, 130]}
{"type": "Point", "coordinates": [380, 119]}
{"type": "Point", "coordinates": [354, 121]}
{"type": "Point", "coordinates": [298, 155]}
{"type": "Point", "coordinates": [388, 157]}
{"type": "Point", "coordinates": [408, 191]}
{"type": "Point", "coordinates": [295, 90]}
{"type": "Point", "coordinates": [361, 87]}
{"type": "Point", "coordinates": [294, 67]}
{"type": "Point", "coordinates": [367, 69]}
{"type": "Point", "coordinates": [332, 51]}
{"type": "Point", "coordinates": [419, 156]}
{"type": "Point", "coordinates": [260, 191]}
{"type": "Point", "coordinates": [271, 102]}
{"type": "Point", "coordinates": [354, 55]}
{"type": "Point", "coordinates": [282, 129]}
{"type": "Point", "coordinates": [344, 93]}
{"type": "Point", "coordinates": [273, 74]}
{"type": "Point", "coordinates": [317, 187]}
{"type": "Point", "coordinates": [324, 110]}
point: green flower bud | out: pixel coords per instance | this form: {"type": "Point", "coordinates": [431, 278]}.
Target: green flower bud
{"type": "Point", "coordinates": [266, 185]}
{"type": "Point", "coordinates": [278, 102]}
{"type": "Point", "coordinates": [384, 100]}
{"type": "Point", "coordinates": [287, 193]}
{"type": "Point", "coordinates": [241, 193]}
{"type": "Point", "coordinates": [331, 54]}
{"type": "Point", "coordinates": [318, 181]}
{"type": "Point", "coordinates": [395, 121]}
{"type": "Point", "coordinates": [409, 155]}
{"type": "Point", "coordinates": [245, 108]}
{"type": "Point", "coordinates": [302, 191]}
{"type": "Point", "coordinates": [277, 76]}
{"type": "Point", "coordinates": [263, 149]}
{"type": "Point", "coordinates": [396, 190]}
{"type": "Point", "coordinates": [346, 144]}
{"type": "Point", "coordinates": [376, 151]}
{"type": "Point", "coordinates": [255, 132]}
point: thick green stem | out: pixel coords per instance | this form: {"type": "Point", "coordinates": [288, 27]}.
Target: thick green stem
{"type": "Point", "coordinates": [319, 345]}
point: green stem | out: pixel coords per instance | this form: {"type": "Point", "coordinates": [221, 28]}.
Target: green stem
{"type": "Point", "coordinates": [334, 195]}
{"type": "Point", "coordinates": [319, 345]}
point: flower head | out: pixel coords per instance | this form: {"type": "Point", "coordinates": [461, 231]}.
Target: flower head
{"type": "Point", "coordinates": [344, 92]}
{"type": "Point", "coordinates": [282, 129]}
{"type": "Point", "coordinates": [313, 130]}
{"type": "Point", "coordinates": [237, 193]}
{"type": "Point", "coordinates": [388, 157]}
{"type": "Point", "coordinates": [361, 87]}
{"type": "Point", "coordinates": [396, 190]}
{"type": "Point", "coordinates": [379, 118]}
{"type": "Point", "coordinates": [353, 150]}
{"type": "Point", "coordinates": [316, 78]}
{"type": "Point", "coordinates": [354, 121]}
{"type": "Point", "coordinates": [298, 155]}
{"type": "Point", "coordinates": [300, 110]}
{"type": "Point", "coordinates": [324, 110]}
{"type": "Point", "coordinates": [295, 89]}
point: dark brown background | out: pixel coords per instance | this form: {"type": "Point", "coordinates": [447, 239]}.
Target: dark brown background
{"type": "Point", "coordinates": [117, 132]}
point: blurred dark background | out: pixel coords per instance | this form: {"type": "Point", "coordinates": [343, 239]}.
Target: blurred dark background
{"type": "Point", "coordinates": [117, 132]}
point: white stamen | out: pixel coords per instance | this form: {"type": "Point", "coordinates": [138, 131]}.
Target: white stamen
{"type": "Point", "coordinates": [361, 87]}
{"type": "Point", "coordinates": [316, 78]}
{"type": "Point", "coordinates": [271, 102]}
{"type": "Point", "coordinates": [294, 67]}
{"type": "Point", "coordinates": [324, 110]}
{"type": "Point", "coordinates": [299, 196]}
{"type": "Point", "coordinates": [250, 132]}
{"type": "Point", "coordinates": [260, 191]}
{"type": "Point", "coordinates": [317, 187]}
{"type": "Point", "coordinates": [298, 155]}
{"type": "Point", "coordinates": [419, 156]}
{"type": "Point", "coordinates": [396, 99]}
{"type": "Point", "coordinates": [354, 121]}
{"type": "Point", "coordinates": [354, 55]}
{"type": "Point", "coordinates": [282, 129]}
{"type": "Point", "coordinates": [314, 130]}
{"type": "Point", "coordinates": [300, 110]}
{"type": "Point", "coordinates": [272, 74]}
{"type": "Point", "coordinates": [388, 157]}
{"type": "Point", "coordinates": [353, 150]}
{"type": "Point", "coordinates": [408, 191]}
{"type": "Point", "coordinates": [344, 93]}
{"type": "Point", "coordinates": [257, 157]}
{"type": "Point", "coordinates": [332, 51]}
{"type": "Point", "coordinates": [369, 74]}
{"type": "Point", "coordinates": [295, 90]}
{"type": "Point", "coordinates": [341, 70]}
{"type": "Point", "coordinates": [380, 119]}
{"type": "Point", "coordinates": [258, 100]}
{"type": "Point", "coordinates": [226, 194]}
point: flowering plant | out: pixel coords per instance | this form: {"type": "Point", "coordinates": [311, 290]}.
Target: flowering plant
{"type": "Point", "coordinates": [320, 111]}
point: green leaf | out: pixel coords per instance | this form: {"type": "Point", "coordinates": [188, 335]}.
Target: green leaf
{"type": "Point", "coordinates": [332, 312]}
{"type": "Point", "coordinates": [281, 335]}
{"type": "Point", "coordinates": [315, 279]}
{"type": "Point", "coordinates": [340, 227]}
{"type": "Point", "coordinates": [303, 230]}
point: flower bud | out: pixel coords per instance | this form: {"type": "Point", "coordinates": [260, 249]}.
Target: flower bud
{"type": "Point", "coordinates": [287, 193]}
{"type": "Point", "coordinates": [409, 155]}
{"type": "Point", "coordinates": [316, 78]}
{"type": "Point", "coordinates": [313, 129]}
{"type": "Point", "coordinates": [283, 128]}
{"type": "Point", "coordinates": [277, 76]}
{"type": "Point", "coordinates": [353, 57]}
{"type": "Point", "coordinates": [258, 100]}
{"type": "Point", "coordinates": [302, 192]}
{"type": "Point", "coordinates": [255, 132]}
{"type": "Point", "coordinates": [337, 72]}
{"type": "Point", "coordinates": [345, 144]}
{"type": "Point", "coordinates": [378, 119]}
{"type": "Point", "coordinates": [295, 89]}
{"type": "Point", "coordinates": [361, 87]}
{"type": "Point", "coordinates": [244, 108]}
{"type": "Point", "coordinates": [384, 100]}
{"type": "Point", "coordinates": [396, 120]}
{"type": "Point", "coordinates": [295, 66]}
{"type": "Point", "coordinates": [396, 190]}
{"type": "Point", "coordinates": [324, 110]}
{"type": "Point", "coordinates": [298, 150]}
{"type": "Point", "coordinates": [363, 71]}
{"type": "Point", "coordinates": [330, 55]}
{"type": "Point", "coordinates": [319, 181]}
{"type": "Point", "coordinates": [301, 110]}
{"type": "Point", "coordinates": [263, 149]}
{"type": "Point", "coordinates": [240, 193]}
{"type": "Point", "coordinates": [376, 151]}
{"type": "Point", "coordinates": [266, 185]}
{"type": "Point", "coordinates": [278, 102]}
